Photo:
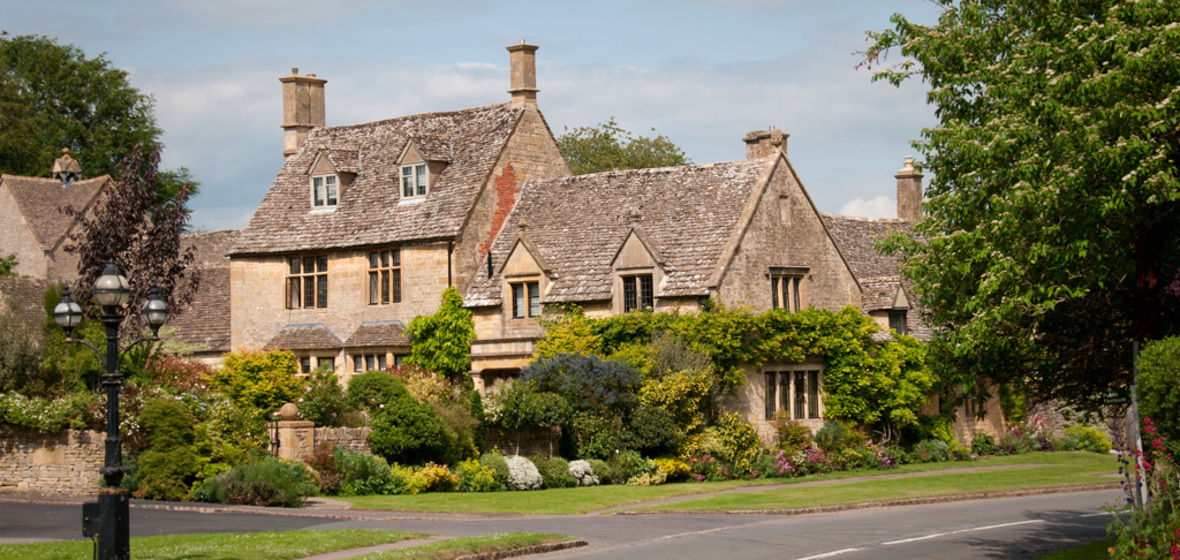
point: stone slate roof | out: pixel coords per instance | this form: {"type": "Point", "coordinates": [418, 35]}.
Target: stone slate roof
{"type": "Point", "coordinates": [378, 333]}
{"type": "Point", "coordinates": [368, 212]}
{"type": "Point", "coordinates": [856, 235]}
{"type": "Point", "coordinates": [40, 200]}
{"type": "Point", "coordinates": [206, 321]}
{"type": "Point", "coordinates": [26, 297]}
{"type": "Point", "coordinates": [304, 337]}
{"type": "Point", "coordinates": [685, 215]}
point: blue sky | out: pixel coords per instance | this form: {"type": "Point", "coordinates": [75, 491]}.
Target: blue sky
{"type": "Point", "coordinates": [702, 72]}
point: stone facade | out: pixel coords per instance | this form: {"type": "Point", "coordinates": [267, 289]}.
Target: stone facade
{"type": "Point", "coordinates": [65, 463]}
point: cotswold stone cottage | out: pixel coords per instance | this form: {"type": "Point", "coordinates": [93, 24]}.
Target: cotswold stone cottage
{"type": "Point", "coordinates": [366, 225]}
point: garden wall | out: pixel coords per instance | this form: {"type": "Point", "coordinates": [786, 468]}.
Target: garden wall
{"type": "Point", "coordinates": [65, 463]}
{"type": "Point", "coordinates": [542, 442]}
{"type": "Point", "coordinates": [297, 439]}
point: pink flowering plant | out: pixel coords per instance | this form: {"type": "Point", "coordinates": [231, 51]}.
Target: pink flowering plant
{"type": "Point", "coordinates": [1150, 531]}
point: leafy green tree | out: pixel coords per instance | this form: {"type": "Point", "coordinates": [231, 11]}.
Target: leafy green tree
{"type": "Point", "coordinates": [1051, 221]}
{"type": "Point", "coordinates": [52, 97]}
{"type": "Point", "coordinates": [1158, 384]}
{"type": "Point", "coordinates": [442, 342]}
{"type": "Point", "coordinates": [590, 149]}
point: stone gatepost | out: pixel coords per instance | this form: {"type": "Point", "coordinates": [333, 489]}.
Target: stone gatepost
{"type": "Point", "coordinates": [293, 438]}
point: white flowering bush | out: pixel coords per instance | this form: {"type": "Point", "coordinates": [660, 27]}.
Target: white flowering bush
{"type": "Point", "coordinates": [51, 416]}
{"type": "Point", "coordinates": [583, 472]}
{"type": "Point", "coordinates": [523, 474]}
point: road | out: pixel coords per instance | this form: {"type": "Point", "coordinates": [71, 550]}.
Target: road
{"type": "Point", "coordinates": [1019, 527]}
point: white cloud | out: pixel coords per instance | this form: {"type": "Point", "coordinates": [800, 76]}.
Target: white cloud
{"type": "Point", "coordinates": [879, 207]}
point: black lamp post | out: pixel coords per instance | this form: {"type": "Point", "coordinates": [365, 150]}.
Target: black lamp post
{"type": "Point", "coordinates": [112, 293]}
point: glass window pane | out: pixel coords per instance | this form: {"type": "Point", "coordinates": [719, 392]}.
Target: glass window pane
{"type": "Point", "coordinates": [370, 362]}
{"type": "Point", "coordinates": [384, 258]}
{"type": "Point", "coordinates": [357, 365]}
{"type": "Point", "coordinates": [373, 288]}
{"type": "Point", "coordinates": [421, 179]}
{"type": "Point", "coordinates": [293, 293]}
{"type": "Point", "coordinates": [795, 293]}
{"type": "Point", "coordinates": [784, 393]}
{"type": "Point", "coordinates": [308, 265]}
{"type": "Point", "coordinates": [321, 264]}
{"type": "Point", "coordinates": [800, 395]}
{"type": "Point", "coordinates": [381, 362]}
{"type": "Point", "coordinates": [384, 286]}
{"type": "Point", "coordinates": [771, 385]}
{"type": "Point", "coordinates": [813, 394]}
{"type": "Point", "coordinates": [373, 260]}
{"type": "Point", "coordinates": [305, 364]}
{"type": "Point", "coordinates": [397, 257]}
{"type": "Point", "coordinates": [295, 265]}
{"type": "Point", "coordinates": [309, 293]}
{"type": "Point", "coordinates": [331, 190]}
{"type": "Point", "coordinates": [629, 294]}
{"type": "Point", "coordinates": [646, 300]}
{"type": "Point", "coordinates": [317, 191]}
{"type": "Point", "coordinates": [517, 301]}
{"type": "Point", "coordinates": [407, 184]}
{"type": "Point", "coordinates": [534, 299]}
{"type": "Point", "coordinates": [397, 285]}
{"type": "Point", "coordinates": [328, 364]}
{"type": "Point", "coordinates": [774, 292]}
{"type": "Point", "coordinates": [321, 290]}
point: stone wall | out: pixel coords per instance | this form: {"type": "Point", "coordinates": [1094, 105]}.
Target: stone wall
{"type": "Point", "coordinates": [297, 439]}
{"type": "Point", "coordinates": [65, 463]}
{"type": "Point", "coordinates": [355, 439]}
{"type": "Point", "coordinates": [539, 441]}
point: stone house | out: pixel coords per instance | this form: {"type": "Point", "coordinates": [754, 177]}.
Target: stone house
{"type": "Point", "coordinates": [32, 225]}
{"type": "Point", "coordinates": [366, 225]}
{"type": "Point", "coordinates": [745, 232]}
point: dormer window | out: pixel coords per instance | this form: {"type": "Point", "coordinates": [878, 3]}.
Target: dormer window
{"type": "Point", "coordinates": [415, 180]}
{"type": "Point", "coordinates": [637, 293]}
{"type": "Point", "coordinates": [324, 191]}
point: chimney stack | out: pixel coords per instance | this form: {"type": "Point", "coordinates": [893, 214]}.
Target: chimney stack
{"type": "Point", "coordinates": [66, 169]}
{"type": "Point", "coordinates": [303, 108]}
{"type": "Point", "coordinates": [762, 143]}
{"type": "Point", "coordinates": [909, 192]}
{"type": "Point", "coordinates": [523, 61]}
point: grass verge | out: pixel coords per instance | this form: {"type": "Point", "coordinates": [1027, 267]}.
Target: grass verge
{"type": "Point", "coordinates": [1093, 551]}
{"type": "Point", "coordinates": [271, 545]}
{"type": "Point", "coordinates": [454, 548]}
{"type": "Point", "coordinates": [1057, 468]}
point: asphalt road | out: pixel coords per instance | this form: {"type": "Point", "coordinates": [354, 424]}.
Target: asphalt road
{"type": "Point", "coordinates": [1016, 528]}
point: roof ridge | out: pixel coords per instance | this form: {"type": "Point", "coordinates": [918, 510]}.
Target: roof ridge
{"type": "Point", "coordinates": [430, 114]}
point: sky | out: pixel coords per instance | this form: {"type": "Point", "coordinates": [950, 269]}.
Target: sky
{"type": "Point", "coordinates": [701, 72]}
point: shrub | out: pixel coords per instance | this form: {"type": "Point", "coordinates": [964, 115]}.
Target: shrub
{"type": "Point", "coordinates": [1159, 384]}
{"type": "Point", "coordinates": [169, 467]}
{"type": "Point", "coordinates": [438, 478]}
{"type": "Point", "coordinates": [676, 471]}
{"type": "Point", "coordinates": [499, 467]}
{"type": "Point", "coordinates": [371, 389]}
{"type": "Point", "coordinates": [983, 444]}
{"type": "Point", "coordinates": [832, 436]}
{"type": "Point", "coordinates": [269, 482]}
{"type": "Point", "coordinates": [406, 480]}
{"type": "Point", "coordinates": [685, 395]}
{"type": "Point", "coordinates": [227, 435]}
{"type": "Point", "coordinates": [407, 431]}
{"type": "Point", "coordinates": [325, 469]}
{"type": "Point", "coordinates": [708, 468]}
{"type": "Point", "coordinates": [442, 341]}
{"type": "Point", "coordinates": [1149, 530]}
{"type": "Point", "coordinates": [523, 474]}
{"type": "Point", "coordinates": [363, 474]}
{"type": "Point", "coordinates": [653, 432]}
{"type": "Point", "coordinates": [50, 416]}
{"type": "Point", "coordinates": [740, 443]}
{"type": "Point", "coordinates": [792, 434]}
{"type": "Point", "coordinates": [628, 463]}
{"type": "Point", "coordinates": [177, 374]}
{"type": "Point", "coordinates": [261, 380]}
{"type": "Point", "coordinates": [479, 430]}
{"type": "Point", "coordinates": [323, 400]}
{"type": "Point", "coordinates": [602, 471]}
{"type": "Point", "coordinates": [597, 436]}
{"type": "Point", "coordinates": [931, 451]}
{"type": "Point", "coordinates": [583, 473]}
{"type": "Point", "coordinates": [555, 472]}
{"type": "Point", "coordinates": [425, 385]}
{"type": "Point", "coordinates": [474, 476]}
{"type": "Point", "coordinates": [648, 478]}
{"type": "Point", "coordinates": [1089, 438]}
{"type": "Point", "coordinates": [588, 383]}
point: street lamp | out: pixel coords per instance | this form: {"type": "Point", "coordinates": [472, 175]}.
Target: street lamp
{"type": "Point", "coordinates": [111, 510]}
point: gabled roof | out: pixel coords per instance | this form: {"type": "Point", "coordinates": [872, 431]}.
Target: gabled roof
{"type": "Point", "coordinates": [40, 200]}
{"type": "Point", "coordinates": [368, 212]}
{"type": "Point", "coordinates": [433, 148]}
{"type": "Point", "coordinates": [343, 161]}
{"type": "Point", "coordinates": [304, 337]}
{"type": "Point", "coordinates": [378, 334]}
{"type": "Point", "coordinates": [206, 321]}
{"type": "Point", "coordinates": [577, 224]}
{"type": "Point", "coordinates": [856, 236]}
{"type": "Point", "coordinates": [25, 296]}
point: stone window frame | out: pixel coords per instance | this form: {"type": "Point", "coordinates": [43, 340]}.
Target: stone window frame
{"type": "Point", "coordinates": [320, 359]}
{"type": "Point", "coordinates": [369, 361]}
{"type": "Point", "coordinates": [528, 305]}
{"type": "Point", "coordinates": [786, 288]}
{"type": "Point", "coordinates": [385, 276]}
{"type": "Point", "coordinates": [782, 391]}
{"type": "Point", "coordinates": [331, 190]}
{"type": "Point", "coordinates": [897, 320]}
{"type": "Point", "coordinates": [298, 280]}
{"type": "Point", "coordinates": [638, 292]}
{"type": "Point", "coordinates": [414, 179]}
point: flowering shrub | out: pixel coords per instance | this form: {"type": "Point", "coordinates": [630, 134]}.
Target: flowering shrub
{"type": "Point", "coordinates": [325, 470]}
{"type": "Point", "coordinates": [583, 473]}
{"type": "Point", "coordinates": [1088, 438]}
{"type": "Point", "coordinates": [323, 400]}
{"type": "Point", "coordinates": [648, 479]}
{"type": "Point", "coordinates": [812, 460]}
{"type": "Point", "coordinates": [438, 478]}
{"type": "Point", "coordinates": [602, 471]}
{"type": "Point", "coordinates": [677, 471]}
{"type": "Point", "coordinates": [523, 474]}
{"type": "Point", "coordinates": [474, 476]}
{"type": "Point", "coordinates": [708, 468]}
{"type": "Point", "coordinates": [1149, 531]}
{"type": "Point", "coordinates": [555, 472]}
{"type": "Point", "coordinates": [75, 411]}
{"type": "Point", "coordinates": [931, 451]}
{"type": "Point", "coordinates": [406, 480]}
{"type": "Point", "coordinates": [425, 385]}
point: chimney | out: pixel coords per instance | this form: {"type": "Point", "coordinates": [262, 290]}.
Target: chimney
{"type": "Point", "coordinates": [909, 192]}
{"type": "Point", "coordinates": [303, 108]}
{"type": "Point", "coordinates": [523, 60]}
{"type": "Point", "coordinates": [66, 169]}
{"type": "Point", "coordinates": [762, 143]}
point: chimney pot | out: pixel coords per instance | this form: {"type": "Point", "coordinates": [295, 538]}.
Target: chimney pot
{"type": "Point", "coordinates": [522, 60]}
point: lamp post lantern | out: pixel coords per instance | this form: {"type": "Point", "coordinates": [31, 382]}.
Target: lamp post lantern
{"type": "Point", "coordinates": [111, 291]}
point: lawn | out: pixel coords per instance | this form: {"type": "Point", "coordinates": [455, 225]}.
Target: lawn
{"type": "Point", "coordinates": [1051, 469]}
{"type": "Point", "coordinates": [455, 548]}
{"type": "Point", "coordinates": [222, 546]}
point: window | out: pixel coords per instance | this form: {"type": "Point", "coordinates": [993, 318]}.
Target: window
{"type": "Point", "coordinates": [526, 300]}
{"type": "Point", "coordinates": [325, 363]}
{"type": "Point", "coordinates": [796, 394]}
{"type": "Point", "coordinates": [368, 362]}
{"type": "Point", "coordinates": [897, 320]}
{"type": "Point", "coordinates": [323, 191]}
{"type": "Point", "coordinates": [414, 180]}
{"type": "Point", "coordinates": [785, 292]}
{"type": "Point", "coordinates": [385, 277]}
{"type": "Point", "coordinates": [307, 282]}
{"type": "Point", "coordinates": [637, 293]}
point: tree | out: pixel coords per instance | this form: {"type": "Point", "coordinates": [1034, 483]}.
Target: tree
{"type": "Point", "coordinates": [140, 233]}
{"type": "Point", "coordinates": [53, 97]}
{"type": "Point", "coordinates": [1051, 221]}
{"type": "Point", "coordinates": [442, 342]}
{"type": "Point", "coordinates": [590, 149]}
